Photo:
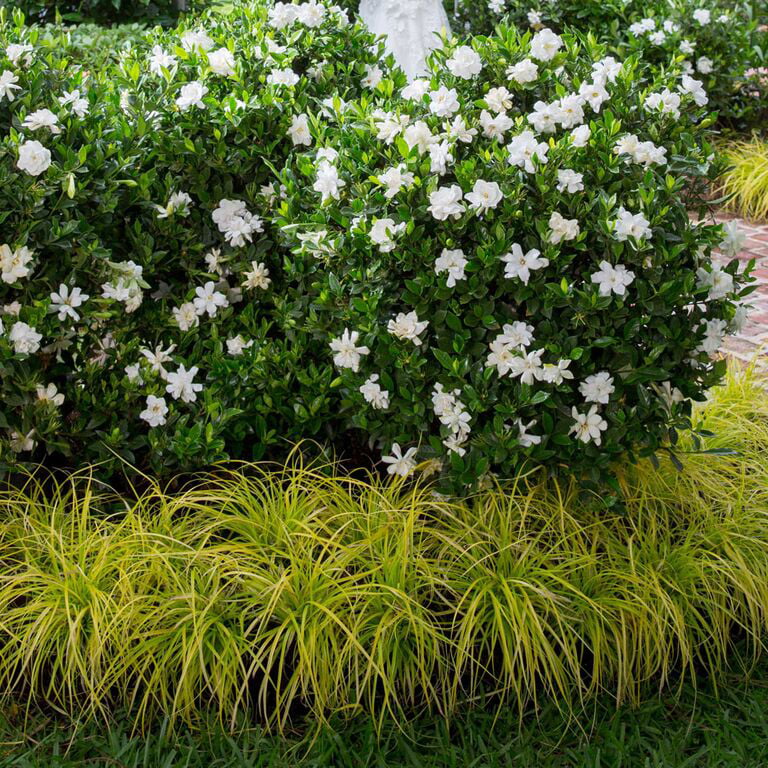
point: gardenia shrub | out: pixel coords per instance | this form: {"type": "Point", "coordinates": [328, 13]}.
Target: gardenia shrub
{"type": "Point", "coordinates": [145, 311]}
{"type": "Point", "coordinates": [503, 263]}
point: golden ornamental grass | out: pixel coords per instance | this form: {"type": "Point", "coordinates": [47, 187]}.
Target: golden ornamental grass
{"type": "Point", "coordinates": [271, 594]}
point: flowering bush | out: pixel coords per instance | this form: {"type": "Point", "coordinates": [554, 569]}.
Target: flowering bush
{"type": "Point", "coordinates": [99, 11]}
{"type": "Point", "coordinates": [503, 262]}
{"type": "Point", "coordinates": [91, 45]}
{"type": "Point", "coordinates": [145, 311]}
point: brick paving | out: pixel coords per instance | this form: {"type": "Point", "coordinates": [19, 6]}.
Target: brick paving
{"type": "Point", "coordinates": [753, 338]}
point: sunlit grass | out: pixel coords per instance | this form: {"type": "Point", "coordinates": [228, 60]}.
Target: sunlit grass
{"type": "Point", "coordinates": [747, 180]}
{"type": "Point", "coordinates": [271, 593]}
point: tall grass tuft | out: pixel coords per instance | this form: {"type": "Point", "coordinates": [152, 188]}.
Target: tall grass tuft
{"type": "Point", "coordinates": [272, 593]}
{"type": "Point", "coordinates": [746, 182]}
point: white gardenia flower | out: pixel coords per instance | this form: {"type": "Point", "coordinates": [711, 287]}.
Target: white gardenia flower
{"type": "Point", "coordinates": [465, 63]}
{"type": "Point", "coordinates": [282, 77]}
{"type": "Point", "coordinates": [665, 101]}
{"type": "Point", "coordinates": [519, 265]}
{"type": "Point", "coordinates": [445, 202]}
{"type": "Point", "coordinates": [694, 88]}
{"type": "Point", "coordinates": [394, 179]}
{"type": "Point", "coordinates": [517, 334]}
{"type": "Point", "coordinates": [181, 385]}
{"type": "Point", "coordinates": [258, 277]}
{"type": "Point", "coordinates": [389, 125]}
{"type": "Point", "coordinates": [50, 394]}
{"type": "Point", "coordinates": [527, 367]}
{"type": "Point", "coordinates": [453, 262]}
{"type": "Point", "coordinates": [594, 94]}
{"type": "Point", "coordinates": [501, 356]}
{"type": "Point", "coordinates": [631, 225]}
{"type": "Point", "coordinates": [311, 14]}
{"type": "Point", "coordinates": [545, 45]}
{"type": "Point", "coordinates": [612, 279]}
{"type": "Point", "coordinates": [17, 52]}
{"type": "Point", "coordinates": [717, 281]}
{"type": "Point", "coordinates": [523, 148]}
{"type": "Point", "coordinates": [416, 90]}
{"type": "Point", "coordinates": [222, 62]}
{"type": "Point", "coordinates": [525, 438]}
{"type": "Point", "coordinates": [704, 65]}
{"type": "Point", "coordinates": [155, 412]}
{"type": "Point", "coordinates": [459, 130]}
{"type": "Point", "coordinates": [66, 301]}
{"type": "Point", "coordinates": [546, 117]}
{"type": "Point", "coordinates": [419, 135]}
{"type": "Point", "coordinates": [569, 181]}
{"type": "Point", "coordinates": [606, 70]}
{"type": "Point", "coordinates": [25, 338]}
{"type": "Point", "coordinates": [328, 183]}
{"type": "Point", "coordinates": [237, 345]}
{"type": "Point", "coordinates": [373, 393]}
{"type": "Point", "coordinates": [160, 60]}
{"type": "Point", "coordinates": [580, 136]}
{"type": "Point", "coordinates": [186, 316]}
{"type": "Point", "coordinates": [299, 131]}
{"type": "Point", "coordinates": [78, 103]}
{"type": "Point", "coordinates": [687, 47]}
{"type": "Point", "coordinates": [498, 99]}
{"type": "Point", "coordinates": [588, 427]}
{"type": "Point", "coordinates": [209, 300]}
{"type": "Point", "coordinates": [197, 38]}
{"type": "Point", "coordinates": [703, 16]}
{"type": "Point", "coordinates": [562, 229]}
{"type": "Point", "coordinates": [20, 443]}
{"type": "Point", "coordinates": [484, 196]}
{"type": "Point", "coordinates": [571, 110]}
{"type": "Point", "coordinates": [407, 326]}
{"type": "Point", "coordinates": [714, 334]}
{"type": "Point", "coordinates": [282, 15]}
{"type": "Point", "coordinates": [495, 126]}
{"type": "Point", "coordinates": [236, 222]}
{"type": "Point", "coordinates": [525, 71]}
{"type": "Point", "coordinates": [440, 157]}
{"type": "Point", "coordinates": [14, 264]}
{"type": "Point", "coordinates": [8, 85]}
{"type": "Point", "coordinates": [399, 463]}
{"type": "Point", "coordinates": [597, 388]}
{"type": "Point", "coordinates": [556, 373]}
{"type": "Point", "coordinates": [178, 202]}
{"type": "Point", "coordinates": [158, 357]}
{"type": "Point", "coordinates": [383, 234]}
{"type": "Point", "coordinates": [373, 76]}
{"type": "Point", "coordinates": [34, 158]}
{"type": "Point", "coordinates": [347, 353]}
{"type": "Point", "coordinates": [191, 95]}
{"type": "Point", "coordinates": [734, 239]}
{"type": "Point", "coordinates": [444, 102]}
{"type": "Point", "coordinates": [42, 118]}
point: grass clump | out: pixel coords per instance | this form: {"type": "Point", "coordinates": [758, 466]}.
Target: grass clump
{"type": "Point", "coordinates": [257, 593]}
{"type": "Point", "coordinates": [746, 182]}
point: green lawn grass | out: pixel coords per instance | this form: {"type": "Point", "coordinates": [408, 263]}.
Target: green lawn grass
{"type": "Point", "coordinates": [729, 730]}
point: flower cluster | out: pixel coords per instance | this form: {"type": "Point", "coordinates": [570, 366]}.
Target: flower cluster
{"type": "Point", "coordinates": [141, 282]}
{"type": "Point", "coordinates": [509, 273]}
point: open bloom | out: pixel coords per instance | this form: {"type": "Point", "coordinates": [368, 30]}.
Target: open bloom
{"type": "Point", "coordinates": [191, 95]}
{"type": "Point", "coordinates": [464, 63]}
{"type": "Point", "coordinates": [373, 393]}
{"type": "Point", "coordinates": [25, 339]}
{"type": "Point", "coordinates": [34, 158]}
{"type": "Point", "coordinates": [453, 262]}
{"type": "Point", "coordinates": [66, 301]}
{"type": "Point", "coordinates": [588, 427]}
{"type": "Point", "coordinates": [14, 264]}
{"type": "Point", "coordinates": [446, 202]}
{"type": "Point", "coordinates": [181, 385]}
{"type": "Point", "coordinates": [400, 463]}
{"type": "Point", "coordinates": [155, 412]}
{"type": "Point", "coordinates": [347, 353]}
{"type": "Point", "coordinates": [562, 229]}
{"type": "Point", "coordinates": [407, 326]}
{"type": "Point", "coordinates": [612, 279]}
{"type": "Point", "coordinates": [597, 388]}
{"type": "Point", "coordinates": [519, 265]}
{"type": "Point", "coordinates": [523, 148]}
{"type": "Point", "coordinates": [631, 225]}
{"type": "Point", "coordinates": [299, 131]}
{"type": "Point", "coordinates": [8, 85]}
{"type": "Point", "coordinates": [484, 196]}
